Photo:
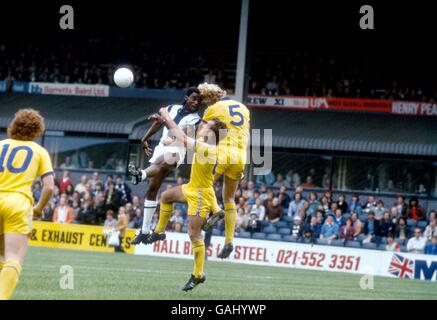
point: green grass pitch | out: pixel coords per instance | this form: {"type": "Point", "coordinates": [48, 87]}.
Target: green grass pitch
{"type": "Point", "coordinates": [121, 276]}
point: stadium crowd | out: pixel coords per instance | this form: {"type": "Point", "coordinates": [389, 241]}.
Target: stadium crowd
{"type": "Point", "coordinates": [263, 212]}
{"type": "Point", "coordinates": [297, 73]}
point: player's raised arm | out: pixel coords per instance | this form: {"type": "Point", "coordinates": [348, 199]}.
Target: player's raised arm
{"type": "Point", "coordinates": [175, 130]}
{"type": "Point", "coordinates": [154, 128]}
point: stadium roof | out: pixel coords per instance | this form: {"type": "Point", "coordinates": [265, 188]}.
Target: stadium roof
{"type": "Point", "coordinates": [81, 114]}
{"type": "Point", "coordinates": [354, 132]}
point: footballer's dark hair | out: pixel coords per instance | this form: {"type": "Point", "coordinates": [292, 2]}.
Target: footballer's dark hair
{"type": "Point", "coordinates": [192, 90]}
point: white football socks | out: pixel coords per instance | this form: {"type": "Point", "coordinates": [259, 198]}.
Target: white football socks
{"type": "Point", "coordinates": [143, 175]}
{"type": "Point", "coordinates": [149, 210]}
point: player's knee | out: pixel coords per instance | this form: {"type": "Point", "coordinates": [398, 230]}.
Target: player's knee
{"type": "Point", "coordinates": [194, 234]}
{"type": "Point", "coordinates": [152, 193]}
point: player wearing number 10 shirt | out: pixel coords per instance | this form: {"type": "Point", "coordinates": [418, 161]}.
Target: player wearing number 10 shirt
{"type": "Point", "coordinates": [232, 154]}
{"type": "Point", "coordinates": [21, 161]}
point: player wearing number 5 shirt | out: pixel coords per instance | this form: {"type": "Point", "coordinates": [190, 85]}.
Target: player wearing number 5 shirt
{"type": "Point", "coordinates": [232, 154]}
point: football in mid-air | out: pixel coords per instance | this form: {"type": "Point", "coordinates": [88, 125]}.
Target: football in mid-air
{"type": "Point", "coordinates": [123, 77]}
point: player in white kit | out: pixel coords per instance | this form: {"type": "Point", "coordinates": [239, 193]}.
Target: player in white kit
{"type": "Point", "coordinates": [164, 159]}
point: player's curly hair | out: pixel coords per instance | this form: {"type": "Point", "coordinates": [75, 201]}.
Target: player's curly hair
{"type": "Point", "coordinates": [210, 93]}
{"type": "Point", "coordinates": [27, 125]}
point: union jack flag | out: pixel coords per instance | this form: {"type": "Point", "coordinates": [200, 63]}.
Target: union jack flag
{"type": "Point", "coordinates": [401, 267]}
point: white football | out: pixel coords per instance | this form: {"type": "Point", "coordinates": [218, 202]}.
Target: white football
{"type": "Point", "coordinates": [123, 77]}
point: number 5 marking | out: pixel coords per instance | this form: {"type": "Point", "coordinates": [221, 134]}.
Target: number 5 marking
{"type": "Point", "coordinates": [236, 114]}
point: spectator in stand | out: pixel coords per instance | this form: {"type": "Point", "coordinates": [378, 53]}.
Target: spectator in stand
{"type": "Point", "coordinates": [96, 181]}
{"type": "Point", "coordinates": [371, 228]}
{"type": "Point", "coordinates": [386, 226]}
{"type": "Point", "coordinates": [69, 191]}
{"type": "Point", "coordinates": [137, 220]}
{"type": "Point", "coordinates": [314, 227]}
{"type": "Point", "coordinates": [417, 243]}
{"type": "Point", "coordinates": [268, 179]}
{"type": "Point", "coordinates": [36, 191]}
{"type": "Point", "coordinates": [402, 207]}
{"type": "Point", "coordinates": [333, 209]}
{"type": "Point", "coordinates": [263, 193]}
{"type": "Point", "coordinates": [76, 207]}
{"type": "Point", "coordinates": [123, 188]}
{"type": "Point", "coordinates": [308, 237]}
{"type": "Point", "coordinates": [313, 204]}
{"type": "Point", "coordinates": [432, 215]}
{"type": "Point", "coordinates": [430, 230]}
{"type": "Point", "coordinates": [329, 229]}
{"type": "Point", "coordinates": [280, 181]}
{"type": "Point", "coordinates": [253, 224]}
{"type": "Point", "coordinates": [339, 219]}
{"type": "Point", "coordinates": [284, 198]}
{"type": "Point", "coordinates": [356, 223]}
{"type": "Point", "coordinates": [258, 209]}
{"type": "Point", "coordinates": [401, 230]}
{"type": "Point", "coordinates": [415, 211]}
{"type": "Point", "coordinates": [379, 210]}
{"type": "Point", "coordinates": [82, 186]}
{"type": "Point", "coordinates": [355, 205]}
{"type": "Point", "coordinates": [86, 214]}
{"type": "Point", "coordinates": [109, 180]}
{"type": "Point", "coordinates": [65, 181]}
{"type": "Point", "coordinates": [136, 203]}
{"type": "Point", "coordinates": [347, 232]}
{"type": "Point", "coordinates": [394, 214]}
{"type": "Point", "coordinates": [325, 205]}
{"type": "Point", "coordinates": [248, 192]}
{"type": "Point", "coordinates": [296, 228]}
{"type": "Point", "coordinates": [113, 197]}
{"type": "Point", "coordinates": [47, 214]}
{"type": "Point", "coordinates": [370, 205]}
{"type": "Point", "coordinates": [121, 227]}
{"type": "Point", "coordinates": [56, 195]}
{"type": "Point", "coordinates": [293, 179]}
{"type": "Point", "coordinates": [319, 217]}
{"type": "Point", "coordinates": [328, 195]}
{"type": "Point", "coordinates": [341, 203]}
{"type": "Point", "coordinates": [177, 221]}
{"type": "Point", "coordinates": [391, 244]}
{"type": "Point", "coordinates": [432, 247]}
{"type": "Point", "coordinates": [295, 205]}
{"type": "Point", "coordinates": [308, 184]}
{"type": "Point", "coordinates": [68, 164]}
{"type": "Point", "coordinates": [63, 212]}
{"type": "Point", "coordinates": [110, 222]}
{"type": "Point", "coordinates": [274, 211]}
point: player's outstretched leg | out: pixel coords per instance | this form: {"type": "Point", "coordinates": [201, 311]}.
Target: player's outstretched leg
{"type": "Point", "coordinates": [198, 246]}
{"type": "Point", "coordinates": [165, 212]}
{"type": "Point", "coordinates": [156, 174]}
{"type": "Point", "coordinates": [229, 189]}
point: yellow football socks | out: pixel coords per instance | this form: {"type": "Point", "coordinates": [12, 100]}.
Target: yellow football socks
{"type": "Point", "coordinates": [9, 278]}
{"type": "Point", "coordinates": [1, 265]}
{"type": "Point", "coordinates": [165, 213]}
{"type": "Point", "coordinates": [230, 220]}
{"type": "Point", "coordinates": [199, 257]}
